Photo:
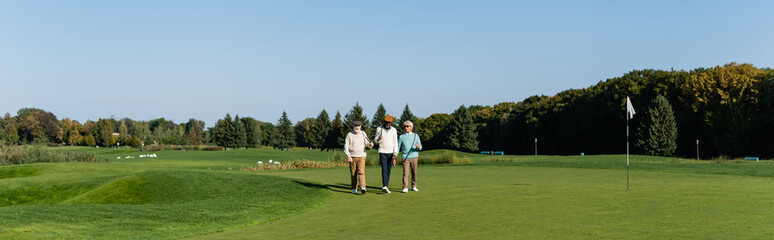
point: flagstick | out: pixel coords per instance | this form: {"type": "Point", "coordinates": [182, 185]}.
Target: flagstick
{"type": "Point", "coordinates": [627, 152]}
{"type": "Point", "coordinates": [629, 114]}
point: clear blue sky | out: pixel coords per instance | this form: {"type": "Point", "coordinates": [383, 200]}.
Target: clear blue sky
{"type": "Point", "coordinates": [203, 59]}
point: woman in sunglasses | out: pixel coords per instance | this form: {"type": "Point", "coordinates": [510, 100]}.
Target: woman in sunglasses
{"type": "Point", "coordinates": [410, 145]}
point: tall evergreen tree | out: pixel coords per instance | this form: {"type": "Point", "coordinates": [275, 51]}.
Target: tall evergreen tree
{"type": "Point", "coordinates": [356, 114]}
{"type": "Point", "coordinates": [286, 137]}
{"type": "Point", "coordinates": [658, 131]}
{"type": "Point", "coordinates": [335, 139]}
{"type": "Point", "coordinates": [408, 116]}
{"type": "Point", "coordinates": [225, 134]}
{"type": "Point", "coordinates": [252, 132]}
{"type": "Point", "coordinates": [303, 131]}
{"type": "Point", "coordinates": [378, 119]}
{"type": "Point", "coordinates": [320, 130]}
{"type": "Point", "coordinates": [268, 133]}
{"type": "Point", "coordinates": [462, 131]}
{"type": "Point", "coordinates": [240, 133]}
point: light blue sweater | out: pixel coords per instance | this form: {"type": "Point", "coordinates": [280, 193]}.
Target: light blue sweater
{"type": "Point", "coordinates": [406, 145]}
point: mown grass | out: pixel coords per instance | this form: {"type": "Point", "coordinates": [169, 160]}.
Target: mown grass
{"type": "Point", "coordinates": [246, 158]}
{"type": "Point", "coordinates": [500, 201]}
{"type": "Point", "coordinates": [193, 194]}
{"type": "Point", "coordinates": [103, 201]}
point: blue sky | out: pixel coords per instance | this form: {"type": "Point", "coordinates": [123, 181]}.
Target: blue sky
{"type": "Point", "coordinates": [203, 59]}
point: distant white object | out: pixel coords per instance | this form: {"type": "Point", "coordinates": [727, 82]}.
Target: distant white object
{"type": "Point", "coordinates": [142, 156]}
{"type": "Point", "coordinates": [118, 157]}
{"type": "Point", "coordinates": [277, 163]}
{"type": "Point", "coordinates": [270, 160]}
{"type": "Point", "coordinates": [154, 155]}
{"type": "Point", "coordinates": [260, 162]}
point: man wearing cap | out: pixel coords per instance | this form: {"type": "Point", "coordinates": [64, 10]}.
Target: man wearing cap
{"type": "Point", "coordinates": [387, 138]}
{"type": "Point", "coordinates": [354, 148]}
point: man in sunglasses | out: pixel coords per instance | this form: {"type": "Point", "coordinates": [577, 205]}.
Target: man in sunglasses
{"type": "Point", "coordinates": [410, 145]}
{"type": "Point", "coordinates": [387, 138]}
{"type": "Point", "coordinates": [354, 148]}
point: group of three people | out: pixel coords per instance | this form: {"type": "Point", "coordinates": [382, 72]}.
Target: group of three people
{"type": "Point", "coordinates": [390, 145]}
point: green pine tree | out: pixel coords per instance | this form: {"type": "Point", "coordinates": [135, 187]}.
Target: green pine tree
{"type": "Point", "coordinates": [252, 132]}
{"type": "Point", "coordinates": [303, 129]}
{"type": "Point", "coordinates": [268, 133]}
{"type": "Point", "coordinates": [463, 135]}
{"type": "Point", "coordinates": [407, 116]}
{"type": "Point", "coordinates": [335, 139]}
{"type": "Point", "coordinates": [286, 137]}
{"type": "Point", "coordinates": [658, 131]}
{"type": "Point", "coordinates": [225, 136]}
{"type": "Point", "coordinates": [355, 114]}
{"type": "Point", "coordinates": [320, 130]}
{"type": "Point", "coordinates": [378, 119]}
{"type": "Point", "coordinates": [240, 133]}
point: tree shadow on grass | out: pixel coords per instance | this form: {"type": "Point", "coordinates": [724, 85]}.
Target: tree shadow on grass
{"type": "Point", "coordinates": [338, 187]}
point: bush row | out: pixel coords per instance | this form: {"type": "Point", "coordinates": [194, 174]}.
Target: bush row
{"type": "Point", "coordinates": [158, 147]}
{"type": "Point", "coordinates": [11, 154]}
{"type": "Point", "coordinates": [340, 160]}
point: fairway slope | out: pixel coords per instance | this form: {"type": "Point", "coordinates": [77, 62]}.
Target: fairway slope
{"type": "Point", "coordinates": [158, 204]}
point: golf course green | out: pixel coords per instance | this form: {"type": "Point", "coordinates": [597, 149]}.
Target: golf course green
{"type": "Point", "coordinates": [194, 195]}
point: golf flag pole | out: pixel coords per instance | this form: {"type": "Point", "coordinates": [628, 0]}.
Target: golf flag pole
{"type": "Point", "coordinates": [629, 114]}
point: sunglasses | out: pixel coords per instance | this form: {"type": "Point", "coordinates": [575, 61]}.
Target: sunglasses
{"type": "Point", "coordinates": [406, 125]}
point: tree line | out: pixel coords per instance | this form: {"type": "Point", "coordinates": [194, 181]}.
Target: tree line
{"type": "Point", "coordinates": [325, 133]}
{"type": "Point", "coordinates": [37, 126]}
{"type": "Point", "coordinates": [728, 108]}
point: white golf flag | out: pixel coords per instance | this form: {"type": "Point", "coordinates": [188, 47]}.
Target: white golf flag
{"type": "Point", "coordinates": [629, 108]}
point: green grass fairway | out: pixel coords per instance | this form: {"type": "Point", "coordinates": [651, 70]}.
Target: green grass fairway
{"type": "Point", "coordinates": [507, 202]}
{"type": "Point", "coordinates": [192, 195]}
{"type": "Point", "coordinates": [77, 201]}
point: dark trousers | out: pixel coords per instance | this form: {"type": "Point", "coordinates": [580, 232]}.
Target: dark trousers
{"type": "Point", "coordinates": [386, 160]}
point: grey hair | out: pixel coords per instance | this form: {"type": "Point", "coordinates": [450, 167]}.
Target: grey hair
{"type": "Point", "coordinates": [409, 123]}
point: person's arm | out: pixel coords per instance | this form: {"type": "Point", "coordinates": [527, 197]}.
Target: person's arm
{"type": "Point", "coordinates": [419, 143]}
{"type": "Point", "coordinates": [378, 134]}
{"type": "Point", "coordinates": [399, 146]}
{"type": "Point", "coordinates": [346, 148]}
{"type": "Point", "coordinates": [365, 140]}
{"type": "Point", "coordinates": [394, 143]}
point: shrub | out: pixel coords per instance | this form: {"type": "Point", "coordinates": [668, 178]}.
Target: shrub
{"type": "Point", "coordinates": [212, 148]}
{"type": "Point", "coordinates": [34, 154]}
{"type": "Point", "coordinates": [159, 147]}
{"type": "Point", "coordinates": [445, 158]}
{"type": "Point", "coordinates": [154, 148]}
{"type": "Point", "coordinates": [296, 164]}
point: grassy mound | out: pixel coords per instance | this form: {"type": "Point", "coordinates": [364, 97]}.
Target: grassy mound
{"type": "Point", "coordinates": [16, 172]}
{"type": "Point", "coordinates": [159, 204]}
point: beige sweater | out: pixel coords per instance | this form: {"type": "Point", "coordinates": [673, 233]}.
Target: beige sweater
{"type": "Point", "coordinates": [355, 144]}
{"type": "Point", "coordinates": [389, 141]}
